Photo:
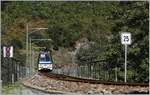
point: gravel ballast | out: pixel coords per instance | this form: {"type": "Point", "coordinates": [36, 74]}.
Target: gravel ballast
{"type": "Point", "coordinates": [50, 84]}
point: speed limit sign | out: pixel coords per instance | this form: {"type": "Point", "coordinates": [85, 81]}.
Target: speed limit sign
{"type": "Point", "coordinates": [126, 38]}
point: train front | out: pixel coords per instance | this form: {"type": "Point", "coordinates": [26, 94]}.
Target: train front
{"type": "Point", "coordinates": [45, 61]}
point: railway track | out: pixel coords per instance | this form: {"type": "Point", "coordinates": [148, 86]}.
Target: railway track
{"type": "Point", "coordinates": [92, 81]}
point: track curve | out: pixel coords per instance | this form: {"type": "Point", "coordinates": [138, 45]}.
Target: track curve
{"type": "Point", "coordinates": [92, 81]}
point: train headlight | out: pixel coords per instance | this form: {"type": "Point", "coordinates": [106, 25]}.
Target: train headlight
{"type": "Point", "coordinates": [40, 66]}
{"type": "Point", "coordinates": [50, 67]}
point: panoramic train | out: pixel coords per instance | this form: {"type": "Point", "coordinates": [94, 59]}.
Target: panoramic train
{"type": "Point", "coordinates": [45, 61]}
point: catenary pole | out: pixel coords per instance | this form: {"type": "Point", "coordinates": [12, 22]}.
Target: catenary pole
{"type": "Point", "coordinates": [0, 57]}
{"type": "Point", "coordinates": [27, 50]}
{"type": "Point", "coordinates": [30, 57]}
{"type": "Point", "coordinates": [28, 47]}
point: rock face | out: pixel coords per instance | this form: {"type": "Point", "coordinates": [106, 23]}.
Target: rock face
{"type": "Point", "coordinates": [82, 88]}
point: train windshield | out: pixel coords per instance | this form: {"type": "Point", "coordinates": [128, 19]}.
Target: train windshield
{"type": "Point", "coordinates": [45, 57]}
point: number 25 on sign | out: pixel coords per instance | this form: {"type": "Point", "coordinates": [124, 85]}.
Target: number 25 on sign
{"type": "Point", "coordinates": [126, 38]}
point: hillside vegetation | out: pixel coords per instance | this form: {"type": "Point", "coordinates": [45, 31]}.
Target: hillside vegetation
{"type": "Point", "coordinates": [101, 23]}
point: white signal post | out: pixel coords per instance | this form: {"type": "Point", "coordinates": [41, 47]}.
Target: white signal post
{"type": "Point", "coordinates": [126, 40]}
{"type": "Point", "coordinates": [8, 53]}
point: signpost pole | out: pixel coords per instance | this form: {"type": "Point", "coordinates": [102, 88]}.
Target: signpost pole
{"type": "Point", "coordinates": [125, 76]}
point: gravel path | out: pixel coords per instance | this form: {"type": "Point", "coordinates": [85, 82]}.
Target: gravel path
{"type": "Point", "coordinates": [26, 91]}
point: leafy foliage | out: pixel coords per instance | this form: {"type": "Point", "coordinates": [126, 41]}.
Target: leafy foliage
{"type": "Point", "coordinates": [100, 22]}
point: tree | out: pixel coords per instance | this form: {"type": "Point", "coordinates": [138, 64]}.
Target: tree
{"type": "Point", "coordinates": [131, 17]}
